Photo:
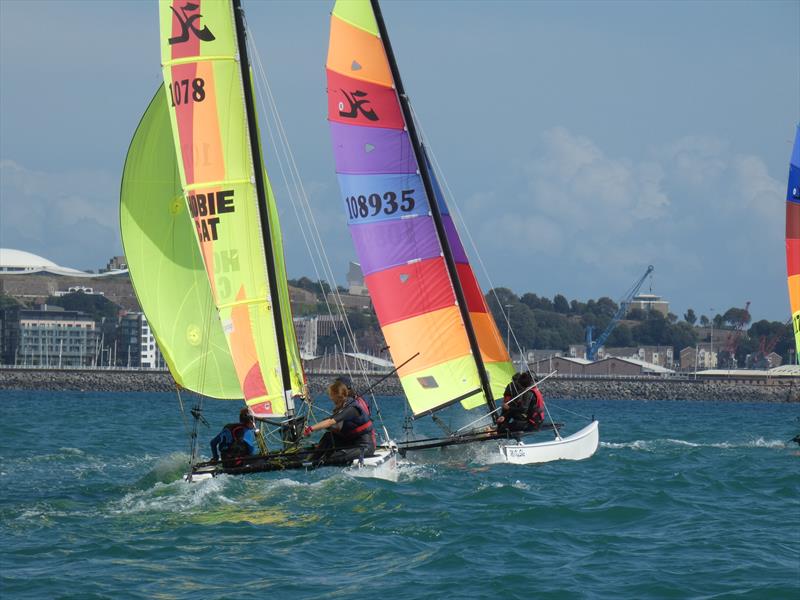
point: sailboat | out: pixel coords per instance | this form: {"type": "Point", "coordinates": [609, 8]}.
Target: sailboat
{"type": "Point", "coordinates": [793, 240]}
{"type": "Point", "coordinates": [430, 307]}
{"type": "Point", "coordinates": [202, 239]}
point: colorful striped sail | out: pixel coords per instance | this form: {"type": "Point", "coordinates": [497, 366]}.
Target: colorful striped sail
{"type": "Point", "coordinates": [793, 240]}
{"type": "Point", "coordinates": [394, 233]}
{"type": "Point", "coordinates": [205, 89]}
{"type": "Point", "coordinates": [165, 265]}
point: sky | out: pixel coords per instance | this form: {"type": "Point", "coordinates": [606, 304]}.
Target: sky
{"type": "Point", "coordinates": [582, 141]}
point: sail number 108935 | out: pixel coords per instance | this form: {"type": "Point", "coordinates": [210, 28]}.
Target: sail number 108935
{"type": "Point", "coordinates": [369, 206]}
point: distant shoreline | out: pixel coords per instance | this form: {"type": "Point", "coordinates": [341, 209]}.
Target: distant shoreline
{"type": "Point", "coordinates": [602, 388]}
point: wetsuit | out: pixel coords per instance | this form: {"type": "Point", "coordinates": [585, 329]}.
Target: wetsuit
{"type": "Point", "coordinates": [519, 409]}
{"type": "Point", "coordinates": [353, 438]}
{"type": "Point", "coordinates": [234, 441]}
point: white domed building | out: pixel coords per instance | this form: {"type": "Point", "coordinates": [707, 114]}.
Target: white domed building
{"type": "Point", "coordinates": [19, 262]}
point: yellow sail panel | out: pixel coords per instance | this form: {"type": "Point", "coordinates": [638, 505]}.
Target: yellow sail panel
{"type": "Point", "coordinates": [204, 84]}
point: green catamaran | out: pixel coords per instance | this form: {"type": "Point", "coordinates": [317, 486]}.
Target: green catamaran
{"type": "Point", "coordinates": [202, 238]}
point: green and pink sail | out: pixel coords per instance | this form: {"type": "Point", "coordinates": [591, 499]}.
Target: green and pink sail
{"type": "Point", "coordinates": [209, 186]}
{"type": "Point", "coordinates": [395, 237]}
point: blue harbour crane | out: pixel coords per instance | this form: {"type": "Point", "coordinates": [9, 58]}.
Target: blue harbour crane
{"type": "Point", "coordinates": [592, 347]}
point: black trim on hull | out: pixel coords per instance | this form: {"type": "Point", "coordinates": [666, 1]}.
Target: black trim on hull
{"type": "Point", "coordinates": [302, 458]}
{"type": "Point", "coordinates": [469, 438]}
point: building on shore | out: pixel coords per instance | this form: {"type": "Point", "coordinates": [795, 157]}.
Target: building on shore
{"type": "Point", "coordinates": [662, 356]}
{"type": "Point", "coordinates": [698, 357]}
{"type": "Point", "coordinates": [136, 345]}
{"type": "Point", "coordinates": [49, 336]}
{"type": "Point", "coordinates": [648, 302]}
{"type": "Point", "coordinates": [565, 365]}
{"type": "Point", "coordinates": [610, 366]}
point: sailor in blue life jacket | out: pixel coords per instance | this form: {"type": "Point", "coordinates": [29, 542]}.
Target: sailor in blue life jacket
{"type": "Point", "coordinates": [523, 408]}
{"type": "Point", "coordinates": [236, 440]}
{"type": "Point", "coordinates": [351, 434]}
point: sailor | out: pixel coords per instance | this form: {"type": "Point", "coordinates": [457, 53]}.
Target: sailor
{"type": "Point", "coordinates": [350, 433]}
{"type": "Point", "coordinates": [236, 440]}
{"type": "Point", "coordinates": [523, 408]}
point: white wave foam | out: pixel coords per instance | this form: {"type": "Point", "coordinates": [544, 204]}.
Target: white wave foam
{"type": "Point", "coordinates": [651, 445]}
{"type": "Point", "coordinates": [177, 496]}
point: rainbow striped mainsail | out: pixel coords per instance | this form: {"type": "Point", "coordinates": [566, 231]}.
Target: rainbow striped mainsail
{"type": "Point", "coordinates": [402, 254]}
{"type": "Point", "coordinates": [793, 239]}
{"type": "Point", "coordinates": [228, 196]}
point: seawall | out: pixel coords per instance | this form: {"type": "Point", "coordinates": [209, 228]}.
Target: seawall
{"type": "Point", "coordinates": [117, 380]}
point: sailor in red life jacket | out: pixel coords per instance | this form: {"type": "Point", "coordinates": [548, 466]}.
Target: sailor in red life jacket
{"type": "Point", "coordinates": [236, 440]}
{"type": "Point", "coordinates": [351, 434]}
{"type": "Point", "coordinates": [523, 408]}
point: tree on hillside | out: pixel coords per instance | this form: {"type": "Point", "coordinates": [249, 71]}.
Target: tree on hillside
{"type": "Point", "coordinates": [620, 337]}
{"type": "Point", "coordinates": [534, 302]}
{"type": "Point", "coordinates": [560, 304]}
{"type": "Point", "coordinates": [606, 307]}
{"type": "Point", "coordinates": [636, 314]}
{"type": "Point", "coordinates": [735, 316]}
{"type": "Point", "coordinates": [681, 335]}
{"type": "Point", "coordinates": [690, 317]}
{"type": "Point", "coordinates": [96, 305]}
{"type": "Point", "coordinates": [7, 301]}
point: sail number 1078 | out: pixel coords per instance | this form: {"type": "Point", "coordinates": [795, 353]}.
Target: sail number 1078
{"type": "Point", "coordinates": [187, 89]}
{"type": "Point", "coordinates": [369, 206]}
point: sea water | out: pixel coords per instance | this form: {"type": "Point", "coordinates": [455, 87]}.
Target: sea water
{"type": "Point", "coordinates": [682, 500]}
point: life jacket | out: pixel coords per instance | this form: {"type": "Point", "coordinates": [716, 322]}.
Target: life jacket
{"type": "Point", "coordinates": [237, 447]}
{"type": "Point", "coordinates": [353, 428]}
{"type": "Point", "coordinates": [522, 401]}
{"type": "Point", "coordinates": [536, 408]}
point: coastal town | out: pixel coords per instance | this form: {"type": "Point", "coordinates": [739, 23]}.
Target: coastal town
{"type": "Point", "coordinates": [62, 319]}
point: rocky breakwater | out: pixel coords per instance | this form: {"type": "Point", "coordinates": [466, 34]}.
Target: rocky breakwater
{"type": "Point", "coordinates": [784, 389]}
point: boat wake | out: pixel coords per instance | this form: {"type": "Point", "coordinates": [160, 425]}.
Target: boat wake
{"type": "Point", "coordinates": [660, 444]}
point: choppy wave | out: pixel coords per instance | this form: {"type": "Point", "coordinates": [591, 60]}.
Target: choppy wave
{"type": "Point", "coordinates": [702, 512]}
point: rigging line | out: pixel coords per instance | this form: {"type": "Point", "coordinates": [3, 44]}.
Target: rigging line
{"type": "Point", "coordinates": [300, 192]}
{"type": "Point", "coordinates": [311, 223]}
{"type": "Point", "coordinates": [308, 213]}
{"type": "Point", "coordinates": [571, 412]}
{"type": "Point", "coordinates": [300, 195]}
{"type": "Point", "coordinates": [536, 384]}
{"type": "Point", "coordinates": [452, 201]}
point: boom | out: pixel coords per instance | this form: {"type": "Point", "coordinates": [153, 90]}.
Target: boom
{"type": "Point", "coordinates": [593, 347]}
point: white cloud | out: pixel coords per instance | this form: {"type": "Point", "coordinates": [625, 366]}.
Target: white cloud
{"type": "Point", "coordinates": [709, 220]}
{"type": "Point", "coordinates": [71, 218]}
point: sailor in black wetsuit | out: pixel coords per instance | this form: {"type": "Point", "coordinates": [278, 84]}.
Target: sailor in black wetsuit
{"type": "Point", "coordinates": [523, 408]}
{"type": "Point", "coordinates": [351, 434]}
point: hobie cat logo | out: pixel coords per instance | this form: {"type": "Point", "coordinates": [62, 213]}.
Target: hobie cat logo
{"type": "Point", "coordinates": [187, 22]}
{"type": "Point", "coordinates": [357, 101]}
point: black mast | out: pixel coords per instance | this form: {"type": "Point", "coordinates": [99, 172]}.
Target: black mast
{"type": "Point", "coordinates": [434, 206]}
{"type": "Point", "coordinates": [258, 167]}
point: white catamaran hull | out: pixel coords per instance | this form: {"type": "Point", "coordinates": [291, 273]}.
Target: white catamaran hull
{"type": "Point", "coordinates": [577, 446]}
{"type": "Point", "coordinates": [382, 465]}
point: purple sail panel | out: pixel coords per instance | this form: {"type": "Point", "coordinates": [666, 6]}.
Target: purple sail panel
{"type": "Point", "coordinates": [371, 198]}
{"type": "Point", "coordinates": [455, 242]}
{"type": "Point", "coordinates": [371, 150]}
{"type": "Point", "coordinates": [388, 244]}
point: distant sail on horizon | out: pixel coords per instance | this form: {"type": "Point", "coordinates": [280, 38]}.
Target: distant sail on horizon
{"type": "Point", "coordinates": [793, 240]}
